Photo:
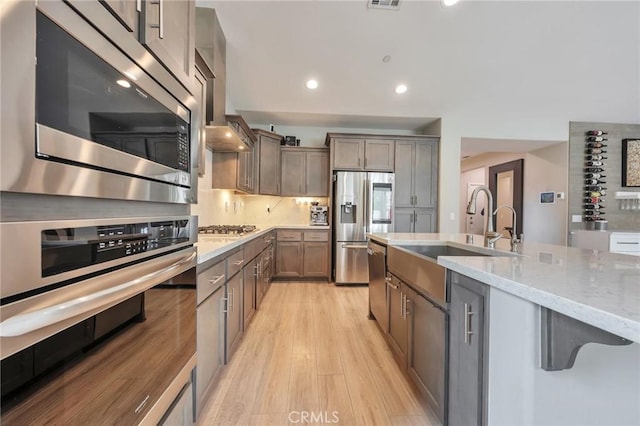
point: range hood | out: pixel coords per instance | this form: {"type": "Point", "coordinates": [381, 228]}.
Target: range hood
{"type": "Point", "coordinates": [224, 133]}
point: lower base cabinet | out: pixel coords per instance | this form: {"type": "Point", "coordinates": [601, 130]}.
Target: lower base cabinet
{"type": "Point", "coordinates": [426, 353]}
{"type": "Point", "coordinates": [250, 277]}
{"type": "Point", "coordinates": [210, 341]}
{"type": "Point", "coordinates": [467, 340]}
{"type": "Point", "coordinates": [398, 337]}
{"type": "Point", "coordinates": [302, 254]}
{"type": "Point", "coordinates": [234, 315]}
{"type": "Point", "coordinates": [181, 412]}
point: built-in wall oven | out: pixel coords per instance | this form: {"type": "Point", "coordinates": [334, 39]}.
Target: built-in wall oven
{"type": "Point", "coordinates": [97, 319]}
{"type": "Point", "coordinates": [83, 115]}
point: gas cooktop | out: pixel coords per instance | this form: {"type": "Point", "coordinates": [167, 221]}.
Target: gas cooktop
{"type": "Point", "coordinates": [226, 229]}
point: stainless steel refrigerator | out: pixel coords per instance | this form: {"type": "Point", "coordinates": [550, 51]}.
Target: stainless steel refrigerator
{"type": "Point", "coordinates": [362, 203]}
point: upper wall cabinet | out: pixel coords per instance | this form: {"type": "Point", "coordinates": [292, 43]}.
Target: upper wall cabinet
{"type": "Point", "coordinates": [305, 172]}
{"type": "Point", "coordinates": [355, 153]}
{"type": "Point", "coordinates": [416, 165]}
{"type": "Point", "coordinates": [268, 146]}
{"type": "Point", "coordinates": [165, 27]}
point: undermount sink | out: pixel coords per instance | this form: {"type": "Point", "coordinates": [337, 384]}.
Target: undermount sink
{"type": "Point", "coordinates": [435, 251]}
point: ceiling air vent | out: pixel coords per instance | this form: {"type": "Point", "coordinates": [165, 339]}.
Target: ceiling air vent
{"type": "Point", "coordinates": [384, 4]}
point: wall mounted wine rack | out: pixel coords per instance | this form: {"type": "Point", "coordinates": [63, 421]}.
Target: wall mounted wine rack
{"type": "Point", "coordinates": [594, 177]}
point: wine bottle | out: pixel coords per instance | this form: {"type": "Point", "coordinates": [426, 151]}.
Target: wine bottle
{"type": "Point", "coordinates": [594, 182]}
{"type": "Point", "coordinates": [596, 139]}
{"type": "Point", "coordinates": [596, 145]}
{"type": "Point", "coordinates": [591, 206]}
{"type": "Point", "coordinates": [596, 157]}
{"type": "Point", "coordinates": [595, 163]}
{"type": "Point", "coordinates": [595, 151]}
{"type": "Point", "coordinates": [593, 200]}
{"type": "Point", "coordinates": [593, 169]}
{"type": "Point", "coordinates": [597, 188]}
{"type": "Point", "coordinates": [594, 175]}
{"type": "Point", "coordinates": [594, 193]}
{"type": "Point", "coordinates": [596, 133]}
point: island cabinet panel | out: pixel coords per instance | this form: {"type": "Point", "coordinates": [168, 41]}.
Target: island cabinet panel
{"type": "Point", "coordinates": [426, 353]}
{"type": "Point", "coordinates": [249, 278]}
{"type": "Point", "coordinates": [467, 340]}
{"type": "Point", "coordinates": [398, 336]}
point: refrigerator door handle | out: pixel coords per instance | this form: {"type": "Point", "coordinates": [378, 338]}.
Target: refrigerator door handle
{"type": "Point", "coordinates": [367, 203]}
{"type": "Point", "coordinates": [354, 246]}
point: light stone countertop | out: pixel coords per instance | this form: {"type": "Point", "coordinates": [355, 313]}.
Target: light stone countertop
{"type": "Point", "coordinates": [211, 246]}
{"type": "Point", "coordinates": [599, 288]}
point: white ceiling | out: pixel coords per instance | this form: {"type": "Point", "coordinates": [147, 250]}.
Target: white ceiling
{"type": "Point", "coordinates": [484, 67]}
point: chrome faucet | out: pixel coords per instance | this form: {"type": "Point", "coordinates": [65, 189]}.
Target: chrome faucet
{"type": "Point", "coordinates": [515, 240]}
{"type": "Point", "coordinates": [490, 236]}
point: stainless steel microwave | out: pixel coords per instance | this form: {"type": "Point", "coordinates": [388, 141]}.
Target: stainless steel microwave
{"type": "Point", "coordinates": [90, 113]}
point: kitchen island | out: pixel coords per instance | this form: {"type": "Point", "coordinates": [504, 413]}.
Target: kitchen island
{"type": "Point", "coordinates": [594, 290]}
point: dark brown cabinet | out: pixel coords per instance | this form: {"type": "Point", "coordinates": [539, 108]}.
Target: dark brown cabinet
{"type": "Point", "coordinates": [305, 172]}
{"type": "Point", "coordinates": [363, 154]}
{"type": "Point", "coordinates": [302, 254]}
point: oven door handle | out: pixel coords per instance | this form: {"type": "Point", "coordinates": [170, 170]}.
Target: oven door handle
{"type": "Point", "coordinates": [28, 322]}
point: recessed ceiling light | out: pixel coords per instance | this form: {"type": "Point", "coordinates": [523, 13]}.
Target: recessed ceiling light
{"type": "Point", "coordinates": [401, 88]}
{"type": "Point", "coordinates": [228, 134]}
{"type": "Point", "coordinates": [312, 84]}
{"type": "Point", "coordinates": [449, 2]}
{"type": "Point", "coordinates": [124, 83]}
{"type": "Point", "coordinates": [240, 147]}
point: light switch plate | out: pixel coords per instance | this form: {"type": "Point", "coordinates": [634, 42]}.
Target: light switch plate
{"type": "Point", "coordinates": [560, 195]}
{"type": "Point", "coordinates": [576, 218]}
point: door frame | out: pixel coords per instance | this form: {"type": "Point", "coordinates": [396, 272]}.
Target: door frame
{"type": "Point", "coordinates": [517, 166]}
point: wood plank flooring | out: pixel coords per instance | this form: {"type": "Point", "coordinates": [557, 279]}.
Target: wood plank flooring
{"type": "Point", "coordinates": [311, 356]}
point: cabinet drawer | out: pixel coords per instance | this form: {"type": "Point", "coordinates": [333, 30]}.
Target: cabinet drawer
{"type": "Point", "coordinates": [289, 235]}
{"type": "Point", "coordinates": [624, 242]}
{"type": "Point", "coordinates": [235, 262]}
{"type": "Point", "coordinates": [210, 279]}
{"type": "Point", "coordinates": [253, 248]}
{"type": "Point", "coordinates": [316, 236]}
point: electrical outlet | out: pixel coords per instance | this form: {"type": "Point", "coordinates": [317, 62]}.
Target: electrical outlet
{"type": "Point", "coordinates": [452, 216]}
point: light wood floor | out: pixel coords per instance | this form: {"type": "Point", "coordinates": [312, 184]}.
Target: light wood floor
{"type": "Point", "coordinates": [310, 348]}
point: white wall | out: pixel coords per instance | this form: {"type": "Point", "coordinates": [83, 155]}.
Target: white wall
{"type": "Point", "coordinates": [545, 170]}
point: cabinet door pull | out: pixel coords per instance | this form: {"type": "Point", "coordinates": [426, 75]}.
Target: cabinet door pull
{"type": "Point", "coordinates": [214, 280]}
{"type": "Point", "coordinates": [225, 304]}
{"type": "Point", "coordinates": [402, 299]}
{"type": "Point", "coordinates": [395, 287]}
{"type": "Point", "coordinates": [161, 19]}
{"type": "Point", "coordinates": [238, 262]}
{"type": "Point", "coordinates": [467, 323]}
